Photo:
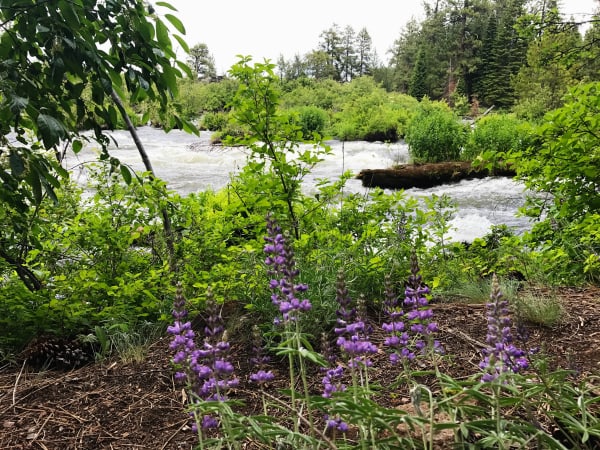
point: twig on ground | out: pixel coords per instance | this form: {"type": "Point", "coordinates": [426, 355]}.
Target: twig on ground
{"type": "Point", "coordinates": [14, 396]}
{"type": "Point", "coordinates": [183, 424]}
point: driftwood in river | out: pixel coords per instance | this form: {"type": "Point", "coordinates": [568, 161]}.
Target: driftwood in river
{"type": "Point", "coordinates": [426, 175]}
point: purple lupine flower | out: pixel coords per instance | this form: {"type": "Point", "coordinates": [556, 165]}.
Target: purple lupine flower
{"type": "Point", "coordinates": [210, 361]}
{"type": "Point", "coordinates": [259, 360]}
{"type": "Point", "coordinates": [209, 422]}
{"type": "Point", "coordinates": [398, 339]}
{"type": "Point", "coordinates": [353, 328]}
{"type": "Point", "coordinates": [280, 259]}
{"type": "Point", "coordinates": [332, 381]}
{"type": "Point", "coordinates": [410, 325]}
{"type": "Point", "coordinates": [501, 355]}
{"type": "Point", "coordinates": [336, 424]}
{"type": "Point", "coordinates": [183, 342]}
{"type": "Point", "coordinates": [206, 368]}
{"type": "Point", "coordinates": [417, 311]}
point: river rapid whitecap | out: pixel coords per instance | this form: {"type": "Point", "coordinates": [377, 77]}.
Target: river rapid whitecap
{"type": "Point", "coordinates": [189, 163]}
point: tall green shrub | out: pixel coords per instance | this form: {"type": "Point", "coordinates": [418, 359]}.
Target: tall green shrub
{"type": "Point", "coordinates": [496, 133]}
{"type": "Point", "coordinates": [435, 134]}
{"type": "Point", "coordinates": [277, 163]}
{"type": "Point", "coordinates": [311, 119]}
{"type": "Point", "coordinates": [563, 169]}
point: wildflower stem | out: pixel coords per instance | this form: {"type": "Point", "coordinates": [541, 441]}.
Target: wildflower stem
{"type": "Point", "coordinates": [293, 387]}
{"type": "Point", "coordinates": [304, 379]}
{"type": "Point", "coordinates": [497, 415]}
{"type": "Point", "coordinates": [321, 436]}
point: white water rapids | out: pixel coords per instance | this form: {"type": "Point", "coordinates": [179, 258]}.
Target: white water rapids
{"type": "Point", "coordinates": [189, 163]}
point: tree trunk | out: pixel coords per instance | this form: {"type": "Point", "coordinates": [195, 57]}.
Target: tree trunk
{"type": "Point", "coordinates": [148, 165]}
{"type": "Point", "coordinates": [425, 176]}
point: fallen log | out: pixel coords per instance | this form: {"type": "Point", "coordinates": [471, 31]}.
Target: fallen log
{"type": "Point", "coordinates": [426, 175]}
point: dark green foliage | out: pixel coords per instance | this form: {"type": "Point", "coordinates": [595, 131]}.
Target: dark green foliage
{"type": "Point", "coordinates": [503, 54]}
{"type": "Point", "coordinates": [418, 86]}
{"type": "Point", "coordinates": [551, 68]}
{"type": "Point", "coordinates": [435, 134]}
{"type": "Point", "coordinates": [51, 51]}
{"type": "Point", "coordinates": [563, 167]}
{"type": "Point", "coordinates": [100, 260]}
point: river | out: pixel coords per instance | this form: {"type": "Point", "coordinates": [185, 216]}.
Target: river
{"type": "Point", "coordinates": [189, 163]}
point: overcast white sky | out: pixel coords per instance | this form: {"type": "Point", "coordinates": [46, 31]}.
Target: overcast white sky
{"type": "Point", "coordinates": [268, 28]}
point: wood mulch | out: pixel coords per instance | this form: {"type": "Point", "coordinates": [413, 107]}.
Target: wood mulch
{"type": "Point", "coordinates": [117, 405]}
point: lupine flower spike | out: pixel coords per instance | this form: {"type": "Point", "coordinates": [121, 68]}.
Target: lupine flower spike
{"type": "Point", "coordinates": [259, 360]}
{"type": "Point", "coordinates": [182, 344]}
{"type": "Point", "coordinates": [280, 259]}
{"type": "Point", "coordinates": [333, 375]}
{"type": "Point", "coordinates": [353, 329]}
{"type": "Point", "coordinates": [501, 355]}
{"type": "Point", "coordinates": [410, 325]}
{"type": "Point", "coordinates": [418, 313]}
{"type": "Point", "coordinates": [398, 338]}
{"type": "Point", "coordinates": [214, 372]}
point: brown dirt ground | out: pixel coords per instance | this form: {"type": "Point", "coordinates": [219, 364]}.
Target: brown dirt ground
{"type": "Point", "coordinates": [116, 405]}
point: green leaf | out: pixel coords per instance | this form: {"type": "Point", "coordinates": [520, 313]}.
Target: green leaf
{"type": "Point", "coordinates": [175, 22]}
{"type": "Point", "coordinates": [17, 165]}
{"type": "Point", "coordinates": [125, 173]}
{"type": "Point", "coordinates": [182, 43]}
{"type": "Point", "coordinates": [17, 104]}
{"type": "Point", "coordinates": [113, 115]}
{"type": "Point", "coordinates": [170, 79]}
{"type": "Point", "coordinates": [185, 68]}
{"type": "Point", "coordinates": [166, 5]}
{"type": "Point", "coordinates": [77, 146]}
{"type": "Point", "coordinates": [34, 181]}
{"type": "Point", "coordinates": [51, 130]}
{"type": "Point", "coordinates": [68, 13]}
{"type": "Point", "coordinates": [162, 35]}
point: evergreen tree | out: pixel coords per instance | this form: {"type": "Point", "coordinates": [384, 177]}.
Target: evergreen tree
{"type": "Point", "coordinates": [318, 65]}
{"type": "Point", "coordinates": [364, 50]}
{"type": "Point", "coordinates": [503, 54]}
{"type": "Point", "coordinates": [404, 56]}
{"type": "Point", "coordinates": [348, 54]}
{"type": "Point", "coordinates": [202, 62]}
{"type": "Point", "coordinates": [331, 45]}
{"type": "Point", "coordinates": [541, 83]}
{"type": "Point", "coordinates": [467, 21]}
{"type": "Point", "coordinates": [418, 86]}
{"type": "Point", "coordinates": [590, 52]}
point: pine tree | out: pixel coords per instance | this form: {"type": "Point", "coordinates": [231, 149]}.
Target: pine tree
{"type": "Point", "coordinates": [418, 85]}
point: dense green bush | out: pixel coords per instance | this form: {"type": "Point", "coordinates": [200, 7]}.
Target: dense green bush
{"type": "Point", "coordinates": [214, 97]}
{"type": "Point", "coordinates": [99, 258]}
{"type": "Point", "coordinates": [381, 126]}
{"type": "Point", "coordinates": [496, 133]}
{"type": "Point", "coordinates": [563, 168]}
{"type": "Point", "coordinates": [214, 121]}
{"type": "Point", "coordinates": [311, 119]}
{"type": "Point", "coordinates": [308, 92]}
{"type": "Point", "coordinates": [435, 134]}
{"type": "Point", "coordinates": [367, 112]}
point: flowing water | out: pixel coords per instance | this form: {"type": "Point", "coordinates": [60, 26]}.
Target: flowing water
{"type": "Point", "coordinates": [190, 163]}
